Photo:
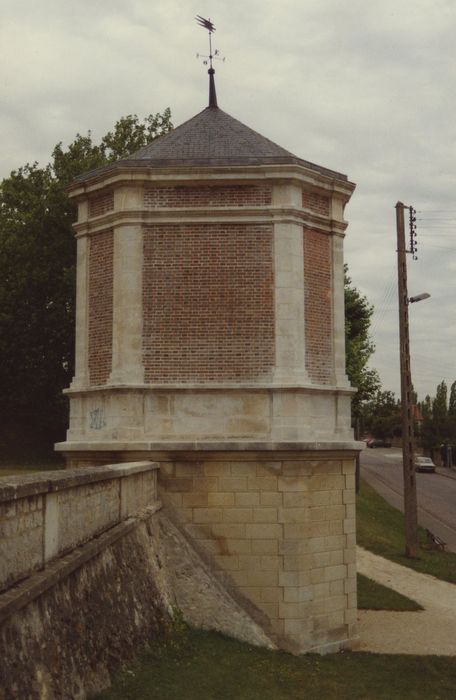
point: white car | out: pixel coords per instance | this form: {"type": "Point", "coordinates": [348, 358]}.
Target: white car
{"type": "Point", "coordinates": [424, 464]}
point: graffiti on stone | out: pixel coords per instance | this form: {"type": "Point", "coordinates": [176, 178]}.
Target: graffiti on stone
{"type": "Point", "coordinates": [97, 419]}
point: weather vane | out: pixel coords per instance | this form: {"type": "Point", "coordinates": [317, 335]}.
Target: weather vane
{"type": "Point", "coordinates": [207, 24]}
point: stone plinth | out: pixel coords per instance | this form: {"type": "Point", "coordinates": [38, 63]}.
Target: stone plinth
{"type": "Point", "coordinates": [280, 522]}
{"type": "Point", "coordinates": [283, 527]}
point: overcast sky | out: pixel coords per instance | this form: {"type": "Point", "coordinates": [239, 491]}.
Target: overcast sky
{"type": "Point", "coordinates": [366, 88]}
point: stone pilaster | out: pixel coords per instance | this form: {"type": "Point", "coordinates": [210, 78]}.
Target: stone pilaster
{"type": "Point", "coordinates": [338, 303]}
{"type": "Point", "coordinates": [127, 364]}
{"type": "Point", "coordinates": [289, 292]}
{"type": "Point", "coordinates": [80, 379]}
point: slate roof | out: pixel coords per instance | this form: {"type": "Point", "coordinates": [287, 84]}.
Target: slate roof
{"type": "Point", "coordinates": [211, 138]}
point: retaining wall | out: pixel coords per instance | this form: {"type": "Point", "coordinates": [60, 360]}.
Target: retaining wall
{"type": "Point", "coordinates": [45, 515]}
{"type": "Point", "coordinates": [112, 568]}
{"type": "Point", "coordinates": [81, 577]}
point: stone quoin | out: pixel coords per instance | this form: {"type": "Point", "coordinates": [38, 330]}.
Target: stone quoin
{"type": "Point", "coordinates": [210, 339]}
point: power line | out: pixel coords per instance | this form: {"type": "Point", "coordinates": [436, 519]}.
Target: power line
{"type": "Point", "coordinates": [438, 247]}
{"type": "Point", "coordinates": [384, 308]}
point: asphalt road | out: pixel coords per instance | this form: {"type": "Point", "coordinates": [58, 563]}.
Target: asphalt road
{"type": "Point", "coordinates": [382, 469]}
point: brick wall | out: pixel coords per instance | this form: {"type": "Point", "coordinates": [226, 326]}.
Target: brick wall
{"type": "Point", "coordinates": [208, 302]}
{"type": "Point", "coordinates": [315, 202]}
{"type": "Point", "coordinates": [100, 306]}
{"type": "Point", "coordinates": [205, 196]}
{"type": "Point", "coordinates": [284, 529]}
{"type": "Point", "coordinates": [318, 306]}
{"type": "Point", "coordinates": [101, 203]}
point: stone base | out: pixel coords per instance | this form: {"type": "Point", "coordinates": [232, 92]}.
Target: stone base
{"type": "Point", "coordinates": [267, 413]}
{"type": "Point", "coordinates": [281, 523]}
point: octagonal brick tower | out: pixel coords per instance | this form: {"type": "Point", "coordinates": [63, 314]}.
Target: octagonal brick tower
{"type": "Point", "coordinates": [210, 337]}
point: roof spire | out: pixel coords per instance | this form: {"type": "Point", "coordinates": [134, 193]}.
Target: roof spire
{"type": "Point", "coordinates": [207, 24]}
{"type": "Point", "coordinates": [212, 92]}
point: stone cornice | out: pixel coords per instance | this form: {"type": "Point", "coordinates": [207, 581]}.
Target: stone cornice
{"type": "Point", "coordinates": [150, 388]}
{"type": "Point", "coordinates": [324, 184]}
{"type": "Point", "coordinates": [211, 446]}
{"type": "Point", "coordinates": [186, 216]}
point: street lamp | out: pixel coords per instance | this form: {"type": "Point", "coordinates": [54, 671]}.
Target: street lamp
{"type": "Point", "coordinates": [419, 297]}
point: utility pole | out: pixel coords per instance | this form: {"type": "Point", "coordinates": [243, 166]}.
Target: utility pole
{"type": "Point", "coordinates": [408, 452]}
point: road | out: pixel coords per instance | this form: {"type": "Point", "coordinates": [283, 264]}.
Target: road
{"type": "Point", "coordinates": [382, 469]}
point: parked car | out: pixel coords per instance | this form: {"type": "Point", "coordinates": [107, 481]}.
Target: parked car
{"type": "Point", "coordinates": [424, 464]}
{"type": "Point", "coordinates": [378, 443]}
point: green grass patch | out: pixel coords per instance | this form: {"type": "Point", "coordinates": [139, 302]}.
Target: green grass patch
{"type": "Point", "coordinates": [375, 596]}
{"type": "Point", "coordinates": [15, 472]}
{"type": "Point", "coordinates": [11, 467]}
{"type": "Point", "coordinates": [197, 665]}
{"type": "Point", "coordinates": [380, 529]}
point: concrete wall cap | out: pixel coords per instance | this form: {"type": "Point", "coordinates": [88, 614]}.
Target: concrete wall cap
{"type": "Point", "coordinates": [15, 487]}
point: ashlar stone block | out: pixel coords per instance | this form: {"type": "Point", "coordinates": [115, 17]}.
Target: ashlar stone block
{"type": "Point", "coordinates": [279, 528]}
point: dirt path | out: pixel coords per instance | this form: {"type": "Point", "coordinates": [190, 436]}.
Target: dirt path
{"type": "Point", "coordinates": [431, 631]}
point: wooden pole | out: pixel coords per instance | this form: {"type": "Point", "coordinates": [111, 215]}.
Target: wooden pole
{"type": "Point", "coordinates": [408, 452]}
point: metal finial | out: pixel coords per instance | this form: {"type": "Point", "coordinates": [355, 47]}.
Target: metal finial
{"type": "Point", "coordinates": [207, 24]}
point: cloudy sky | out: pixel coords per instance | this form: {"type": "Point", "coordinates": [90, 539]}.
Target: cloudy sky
{"type": "Point", "coordinates": [366, 88]}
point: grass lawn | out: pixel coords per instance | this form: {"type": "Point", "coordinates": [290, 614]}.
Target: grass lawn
{"type": "Point", "coordinates": [380, 529]}
{"type": "Point", "coordinates": [375, 596]}
{"type": "Point", "coordinates": [9, 467]}
{"type": "Point", "coordinates": [195, 665]}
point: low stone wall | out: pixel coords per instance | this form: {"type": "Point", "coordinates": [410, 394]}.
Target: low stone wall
{"type": "Point", "coordinates": [45, 515]}
{"type": "Point", "coordinates": [81, 577]}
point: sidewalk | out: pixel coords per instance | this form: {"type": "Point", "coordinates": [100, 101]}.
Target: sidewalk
{"type": "Point", "coordinates": [430, 631]}
{"type": "Point", "coordinates": [449, 472]}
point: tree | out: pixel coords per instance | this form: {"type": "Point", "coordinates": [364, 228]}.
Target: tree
{"type": "Point", "coordinates": [452, 402]}
{"type": "Point", "coordinates": [438, 426]}
{"type": "Point", "coordinates": [425, 433]}
{"type": "Point", "coordinates": [382, 415]}
{"type": "Point", "coordinates": [451, 424]}
{"type": "Point", "coordinates": [359, 347]}
{"type": "Point", "coordinates": [440, 414]}
{"type": "Point", "coordinates": [37, 280]}
{"type": "Point", "coordinates": [440, 403]}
